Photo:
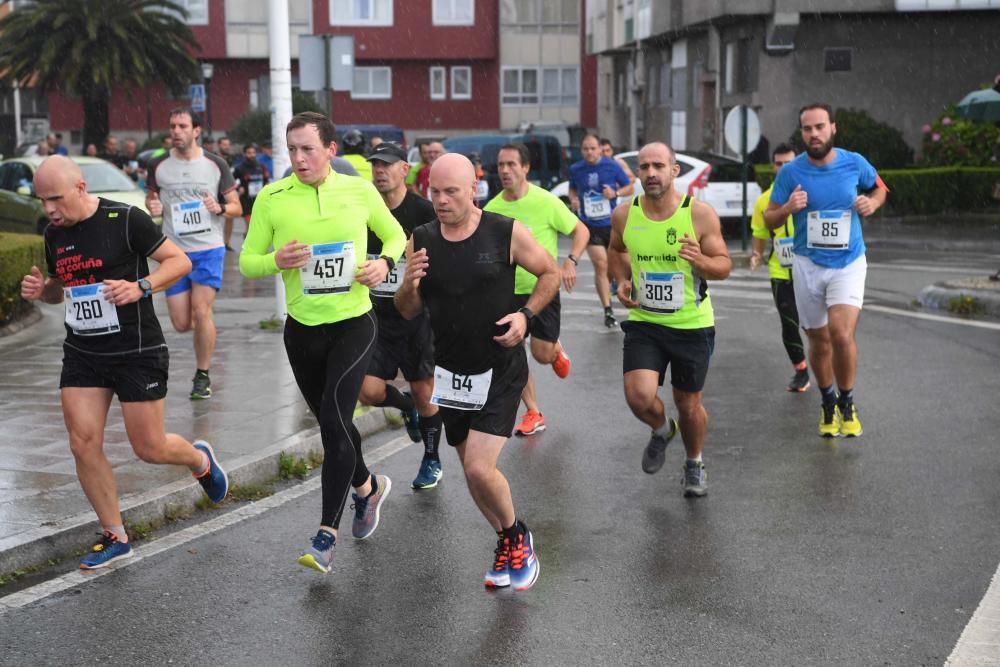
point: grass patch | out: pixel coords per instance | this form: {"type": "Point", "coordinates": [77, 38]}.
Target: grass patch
{"type": "Point", "coordinates": [250, 491]}
{"type": "Point", "coordinates": [177, 513]}
{"type": "Point", "coordinates": [11, 577]}
{"type": "Point", "coordinates": [289, 466]}
{"type": "Point", "coordinates": [271, 324]}
{"type": "Point", "coordinates": [965, 304]}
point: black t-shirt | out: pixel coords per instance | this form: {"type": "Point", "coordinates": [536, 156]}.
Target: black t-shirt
{"type": "Point", "coordinates": [111, 244]}
{"type": "Point", "coordinates": [251, 177]}
{"type": "Point", "coordinates": [412, 212]}
{"type": "Point", "coordinates": [468, 287]}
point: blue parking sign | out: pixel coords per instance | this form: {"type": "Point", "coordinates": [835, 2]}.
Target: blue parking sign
{"type": "Point", "coordinates": [197, 94]}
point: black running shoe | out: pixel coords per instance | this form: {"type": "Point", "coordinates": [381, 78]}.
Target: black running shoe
{"type": "Point", "coordinates": [800, 381]}
{"type": "Point", "coordinates": [201, 387]}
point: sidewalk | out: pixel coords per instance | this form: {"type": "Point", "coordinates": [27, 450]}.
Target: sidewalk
{"type": "Point", "coordinates": [256, 412]}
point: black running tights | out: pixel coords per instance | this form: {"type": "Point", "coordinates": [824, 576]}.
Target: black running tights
{"type": "Point", "coordinates": [329, 362]}
{"type": "Point", "coordinates": [784, 301]}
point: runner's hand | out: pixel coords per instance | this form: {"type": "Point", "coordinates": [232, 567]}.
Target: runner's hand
{"type": "Point", "coordinates": [372, 272]}
{"type": "Point", "coordinates": [292, 255]}
{"type": "Point", "coordinates": [515, 334]}
{"type": "Point", "coordinates": [154, 204]}
{"type": "Point", "coordinates": [213, 206]}
{"type": "Point", "coordinates": [754, 261]}
{"type": "Point", "coordinates": [32, 285]}
{"type": "Point", "coordinates": [798, 200]}
{"type": "Point", "coordinates": [569, 274]}
{"type": "Point", "coordinates": [416, 267]}
{"type": "Point", "coordinates": [608, 192]}
{"type": "Point", "coordinates": [122, 292]}
{"type": "Point", "coordinates": [690, 250]}
{"type": "Point", "coordinates": [865, 206]}
{"type": "Point", "coordinates": [625, 294]}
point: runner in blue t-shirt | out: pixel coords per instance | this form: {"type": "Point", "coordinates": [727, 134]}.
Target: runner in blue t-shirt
{"type": "Point", "coordinates": [595, 184]}
{"type": "Point", "coordinates": [827, 190]}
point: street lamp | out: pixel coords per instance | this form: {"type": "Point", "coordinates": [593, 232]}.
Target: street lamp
{"type": "Point", "coordinates": [207, 69]}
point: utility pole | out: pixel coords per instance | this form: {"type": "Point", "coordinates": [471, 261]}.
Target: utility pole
{"type": "Point", "coordinates": [281, 106]}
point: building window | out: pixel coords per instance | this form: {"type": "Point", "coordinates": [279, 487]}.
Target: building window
{"type": "Point", "coordinates": [678, 130]}
{"type": "Point", "coordinates": [461, 83]}
{"type": "Point", "coordinates": [372, 83]}
{"type": "Point", "coordinates": [454, 12]}
{"type": "Point", "coordinates": [535, 15]}
{"type": "Point", "coordinates": [837, 60]}
{"type": "Point", "coordinates": [438, 91]}
{"type": "Point", "coordinates": [550, 86]}
{"type": "Point", "coordinates": [665, 83]}
{"type": "Point", "coordinates": [197, 11]}
{"type": "Point", "coordinates": [361, 12]}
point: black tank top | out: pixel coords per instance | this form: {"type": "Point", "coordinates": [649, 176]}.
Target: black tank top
{"type": "Point", "coordinates": [412, 212]}
{"type": "Point", "coordinates": [468, 287]}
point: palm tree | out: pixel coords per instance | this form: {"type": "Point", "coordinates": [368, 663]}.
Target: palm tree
{"type": "Point", "coordinates": [86, 48]}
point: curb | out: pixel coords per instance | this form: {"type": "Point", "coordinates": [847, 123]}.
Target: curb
{"type": "Point", "coordinates": [939, 295]}
{"type": "Point", "coordinates": [21, 323]}
{"type": "Point", "coordinates": [62, 539]}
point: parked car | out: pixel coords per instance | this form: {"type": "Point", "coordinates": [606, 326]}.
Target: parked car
{"type": "Point", "coordinates": [713, 179]}
{"type": "Point", "coordinates": [21, 211]}
{"type": "Point", "coordinates": [549, 162]}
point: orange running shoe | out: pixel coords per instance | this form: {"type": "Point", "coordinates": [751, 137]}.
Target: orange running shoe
{"type": "Point", "coordinates": [532, 422]}
{"type": "Point", "coordinates": [561, 365]}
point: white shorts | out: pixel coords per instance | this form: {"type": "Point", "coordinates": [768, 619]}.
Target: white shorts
{"type": "Point", "coordinates": [818, 287]}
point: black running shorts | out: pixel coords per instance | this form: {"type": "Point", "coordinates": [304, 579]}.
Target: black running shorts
{"type": "Point", "coordinates": [134, 377]}
{"type": "Point", "coordinates": [545, 325]}
{"type": "Point", "coordinates": [600, 236]}
{"type": "Point", "coordinates": [497, 417]}
{"type": "Point", "coordinates": [403, 345]}
{"type": "Point", "coordinates": [654, 347]}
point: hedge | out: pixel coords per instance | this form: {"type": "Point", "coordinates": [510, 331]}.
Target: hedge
{"type": "Point", "coordinates": [18, 252]}
{"type": "Point", "coordinates": [928, 191]}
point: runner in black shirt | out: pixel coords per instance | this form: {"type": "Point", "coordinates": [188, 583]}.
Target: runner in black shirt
{"type": "Point", "coordinates": [96, 252]}
{"type": "Point", "coordinates": [403, 345]}
{"type": "Point", "coordinates": [462, 268]}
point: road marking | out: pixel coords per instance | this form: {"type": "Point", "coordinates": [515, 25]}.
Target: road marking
{"type": "Point", "coordinates": [932, 318]}
{"type": "Point", "coordinates": [182, 537]}
{"type": "Point", "coordinates": [977, 270]}
{"type": "Point", "coordinates": [979, 643]}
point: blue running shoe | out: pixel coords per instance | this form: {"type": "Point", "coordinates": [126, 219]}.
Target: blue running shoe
{"type": "Point", "coordinates": [214, 480]}
{"type": "Point", "coordinates": [429, 474]}
{"type": "Point", "coordinates": [320, 555]}
{"type": "Point", "coordinates": [411, 419]}
{"type": "Point", "coordinates": [366, 510]}
{"type": "Point", "coordinates": [106, 552]}
{"type": "Point", "coordinates": [498, 576]}
{"type": "Point", "coordinates": [524, 565]}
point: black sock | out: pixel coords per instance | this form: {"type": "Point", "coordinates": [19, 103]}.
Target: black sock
{"type": "Point", "coordinates": [829, 395]}
{"type": "Point", "coordinates": [202, 371]}
{"type": "Point", "coordinates": [511, 533]}
{"type": "Point", "coordinates": [374, 487]}
{"type": "Point", "coordinates": [846, 397]}
{"type": "Point", "coordinates": [430, 433]}
{"type": "Point", "coordinates": [608, 311]}
{"type": "Point", "coordinates": [394, 398]}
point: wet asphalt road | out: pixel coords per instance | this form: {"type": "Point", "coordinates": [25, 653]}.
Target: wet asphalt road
{"type": "Point", "coordinates": [805, 551]}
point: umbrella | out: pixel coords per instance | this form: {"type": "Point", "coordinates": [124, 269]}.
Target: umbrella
{"type": "Point", "coordinates": [981, 105]}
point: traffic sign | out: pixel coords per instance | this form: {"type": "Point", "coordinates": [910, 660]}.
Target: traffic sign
{"type": "Point", "coordinates": [732, 131]}
{"type": "Point", "coordinates": [197, 94]}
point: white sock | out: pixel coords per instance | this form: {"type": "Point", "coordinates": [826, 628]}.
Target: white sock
{"type": "Point", "coordinates": [664, 430]}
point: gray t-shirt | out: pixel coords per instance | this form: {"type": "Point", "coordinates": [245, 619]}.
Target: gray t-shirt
{"type": "Point", "coordinates": [181, 184]}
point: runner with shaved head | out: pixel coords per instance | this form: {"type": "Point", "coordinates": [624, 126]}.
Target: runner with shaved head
{"type": "Point", "coordinates": [96, 251]}
{"type": "Point", "coordinates": [461, 268]}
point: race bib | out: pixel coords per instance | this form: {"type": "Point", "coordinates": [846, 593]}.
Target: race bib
{"type": "Point", "coordinates": [387, 288]}
{"type": "Point", "coordinates": [661, 292]}
{"type": "Point", "coordinates": [254, 188]}
{"type": "Point", "coordinates": [829, 230]}
{"type": "Point", "coordinates": [482, 189]}
{"type": "Point", "coordinates": [190, 218]}
{"type": "Point", "coordinates": [462, 392]}
{"type": "Point", "coordinates": [596, 206]}
{"type": "Point", "coordinates": [330, 269]}
{"type": "Point", "coordinates": [784, 248]}
{"type": "Point", "coordinates": [88, 313]}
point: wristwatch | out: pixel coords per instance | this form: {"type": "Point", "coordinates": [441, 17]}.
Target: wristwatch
{"type": "Point", "coordinates": [574, 259]}
{"type": "Point", "coordinates": [146, 287]}
{"type": "Point", "coordinates": [528, 315]}
{"type": "Point", "coordinates": [390, 261]}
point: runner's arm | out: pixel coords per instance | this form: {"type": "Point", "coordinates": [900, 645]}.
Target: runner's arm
{"type": "Point", "coordinates": [625, 181]}
{"type": "Point", "coordinates": [407, 299]}
{"type": "Point", "coordinates": [173, 265]}
{"type": "Point", "coordinates": [36, 287]}
{"type": "Point", "coordinates": [618, 260]}
{"type": "Point", "coordinates": [708, 254]}
{"type": "Point", "coordinates": [527, 253]}
{"type": "Point", "coordinates": [866, 204]}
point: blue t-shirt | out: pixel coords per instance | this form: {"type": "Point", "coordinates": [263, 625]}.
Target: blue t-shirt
{"type": "Point", "coordinates": [589, 180]}
{"type": "Point", "coordinates": [832, 190]}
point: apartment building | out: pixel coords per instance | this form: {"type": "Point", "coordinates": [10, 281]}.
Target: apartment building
{"type": "Point", "coordinates": [672, 69]}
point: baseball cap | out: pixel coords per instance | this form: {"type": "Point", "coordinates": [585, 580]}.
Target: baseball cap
{"type": "Point", "coordinates": [389, 152]}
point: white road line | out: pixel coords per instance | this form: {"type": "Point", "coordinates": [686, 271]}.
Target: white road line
{"type": "Point", "coordinates": [922, 268]}
{"type": "Point", "coordinates": [979, 643]}
{"type": "Point", "coordinates": [181, 537]}
{"type": "Point", "coordinates": [932, 318]}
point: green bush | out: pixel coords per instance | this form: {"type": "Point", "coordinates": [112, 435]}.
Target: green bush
{"type": "Point", "coordinates": [255, 126]}
{"type": "Point", "coordinates": [927, 191]}
{"type": "Point", "coordinates": [955, 141]}
{"type": "Point", "coordinates": [18, 252]}
{"type": "Point", "coordinates": [857, 131]}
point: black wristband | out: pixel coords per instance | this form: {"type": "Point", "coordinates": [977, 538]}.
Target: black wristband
{"type": "Point", "coordinates": [528, 315]}
{"type": "Point", "coordinates": [573, 259]}
{"type": "Point", "coordinates": [390, 261]}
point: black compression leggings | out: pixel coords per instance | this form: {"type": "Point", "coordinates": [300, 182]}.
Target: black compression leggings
{"type": "Point", "coordinates": [329, 362]}
{"type": "Point", "coordinates": [784, 301]}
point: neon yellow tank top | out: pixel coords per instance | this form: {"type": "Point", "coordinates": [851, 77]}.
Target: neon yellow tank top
{"type": "Point", "coordinates": [669, 291]}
